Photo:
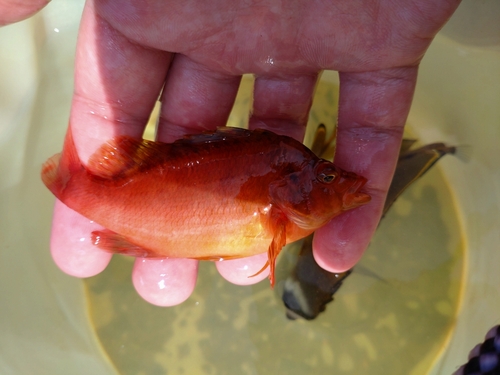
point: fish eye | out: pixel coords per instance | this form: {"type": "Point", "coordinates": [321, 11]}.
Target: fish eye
{"type": "Point", "coordinates": [327, 178]}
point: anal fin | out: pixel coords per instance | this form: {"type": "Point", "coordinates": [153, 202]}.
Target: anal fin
{"type": "Point", "coordinates": [113, 242]}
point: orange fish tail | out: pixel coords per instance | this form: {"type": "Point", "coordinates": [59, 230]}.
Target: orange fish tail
{"type": "Point", "coordinates": [57, 170]}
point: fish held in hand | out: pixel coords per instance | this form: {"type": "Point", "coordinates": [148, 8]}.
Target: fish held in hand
{"type": "Point", "coordinates": [225, 194]}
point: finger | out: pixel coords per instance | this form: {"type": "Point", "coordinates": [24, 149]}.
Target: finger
{"type": "Point", "coordinates": [116, 85]}
{"type": "Point", "coordinates": [163, 282]}
{"type": "Point", "coordinates": [243, 271]}
{"type": "Point", "coordinates": [17, 10]}
{"type": "Point", "coordinates": [282, 104]}
{"type": "Point", "coordinates": [194, 99]}
{"type": "Point", "coordinates": [373, 108]}
{"type": "Point", "coordinates": [71, 245]}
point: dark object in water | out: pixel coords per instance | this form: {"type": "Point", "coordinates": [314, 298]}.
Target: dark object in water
{"type": "Point", "coordinates": [412, 164]}
{"type": "Point", "coordinates": [309, 288]}
{"type": "Point", "coordinates": [484, 359]}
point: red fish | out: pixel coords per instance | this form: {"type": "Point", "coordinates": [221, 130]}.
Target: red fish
{"type": "Point", "coordinates": [221, 195]}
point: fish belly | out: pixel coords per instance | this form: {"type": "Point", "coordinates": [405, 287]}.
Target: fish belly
{"type": "Point", "coordinates": [174, 221]}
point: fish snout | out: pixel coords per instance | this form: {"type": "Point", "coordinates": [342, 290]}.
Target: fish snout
{"type": "Point", "coordinates": [353, 197]}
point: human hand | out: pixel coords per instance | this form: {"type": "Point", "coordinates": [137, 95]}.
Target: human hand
{"type": "Point", "coordinates": [129, 50]}
{"type": "Point", "coordinates": [16, 10]}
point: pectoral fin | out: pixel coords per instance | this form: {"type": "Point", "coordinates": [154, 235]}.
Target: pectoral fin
{"type": "Point", "coordinates": [278, 223]}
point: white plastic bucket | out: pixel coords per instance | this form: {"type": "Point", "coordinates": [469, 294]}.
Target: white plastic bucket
{"type": "Point", "coordinates": [44, 321]}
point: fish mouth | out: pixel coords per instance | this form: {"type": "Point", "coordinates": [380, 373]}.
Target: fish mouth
{"type": "Point", "coordinates": [353, 197]}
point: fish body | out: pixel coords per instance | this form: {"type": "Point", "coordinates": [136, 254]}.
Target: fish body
{"type": "Point", "coordinates": [221, 195]}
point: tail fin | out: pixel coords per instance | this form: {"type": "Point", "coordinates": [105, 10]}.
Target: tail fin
{"type": "Point", "coordinates": [57, 170]}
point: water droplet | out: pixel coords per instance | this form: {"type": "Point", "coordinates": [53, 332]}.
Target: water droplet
{"type": "Point", "coordinates": [270, 60]}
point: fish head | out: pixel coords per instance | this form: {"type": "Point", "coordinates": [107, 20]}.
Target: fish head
{"type": "Point", "coordinates": [346, 185]}
{"type": "Point", "coordinates": [318, 192]}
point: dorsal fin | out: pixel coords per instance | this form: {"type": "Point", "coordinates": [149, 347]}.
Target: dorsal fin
{"type": "Point", "coordinates": [220, 134]}
{"type": "Point", "coordinates": [122, 155]}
